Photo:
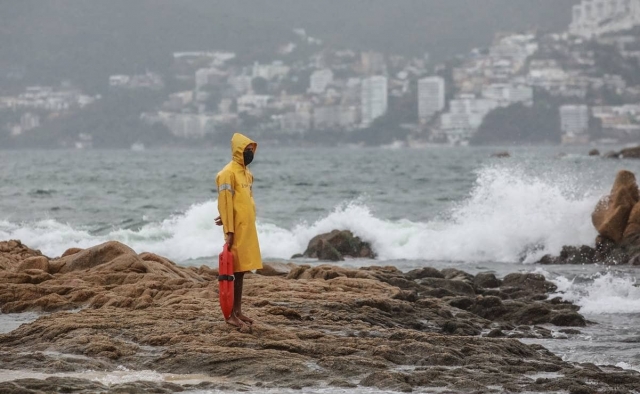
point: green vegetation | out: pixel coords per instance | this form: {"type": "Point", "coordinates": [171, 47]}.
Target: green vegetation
{"type": "Point", "coordinates": [519, 124]}
{"type": "Point", "coordinates": [112, 122]}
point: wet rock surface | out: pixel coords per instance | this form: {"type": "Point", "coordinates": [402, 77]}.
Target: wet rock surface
{"type": "Point", "coordinates": [616, 217]}
{"type": "Point", "coordinates": [337, 245]}
{"type": "Point", "coordinates": [315, 326]}
{"type": "Point", "coordinates": [627, 153]}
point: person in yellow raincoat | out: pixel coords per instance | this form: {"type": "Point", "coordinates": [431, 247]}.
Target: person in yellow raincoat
{"type": "Point", "coordinates": [238, 218]}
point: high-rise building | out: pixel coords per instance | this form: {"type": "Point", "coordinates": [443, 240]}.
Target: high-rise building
{"type": "Point", "coordinates": [574, 122]}
{"type": "Point", "coordinates": [431, 96]}
{"type": "Point", "coordinates": [374, 98]}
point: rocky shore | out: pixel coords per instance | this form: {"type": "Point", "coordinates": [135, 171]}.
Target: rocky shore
{"type": "Point", "coordinates": [616, 217]}
{"type": "Point", "coordinates": [108, 307]}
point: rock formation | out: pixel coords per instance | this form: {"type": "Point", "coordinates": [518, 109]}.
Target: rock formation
{"type": "Point", "coordinates": [627, 153]}
{"type": "Point", "coordinates": [611, 214]}
{"type": "Point", "coordinates": [616, 217]}
{"type": "Point", "coordinates": [315, 327]}
{"type": "Point", "coordinates": [334, 246]}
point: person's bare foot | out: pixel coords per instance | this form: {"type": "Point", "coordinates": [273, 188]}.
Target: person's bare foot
{"type": "Point", "coordinates": [245, 319]}
{"type": "Point", "coordinates": [236, 322]}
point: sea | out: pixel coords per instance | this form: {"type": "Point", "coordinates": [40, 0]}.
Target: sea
{"type": "Point", "coordinates": [432, 206]}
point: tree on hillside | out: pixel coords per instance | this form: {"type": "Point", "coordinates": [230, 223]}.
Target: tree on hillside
{"type": "Point", "coordinates": [518, 124]}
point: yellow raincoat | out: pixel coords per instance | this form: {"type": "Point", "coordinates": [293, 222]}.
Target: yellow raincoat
{"type": "Point", "coordinates": [237, 208]}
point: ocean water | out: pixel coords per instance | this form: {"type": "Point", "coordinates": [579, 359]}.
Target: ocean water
{"type": "Point", "coordinates": [442, 207]}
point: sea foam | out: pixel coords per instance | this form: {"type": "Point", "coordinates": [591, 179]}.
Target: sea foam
{"type": "Point", "coordinates": [508, 217]}
{"type": "Point", "coordinates": [603, 293]}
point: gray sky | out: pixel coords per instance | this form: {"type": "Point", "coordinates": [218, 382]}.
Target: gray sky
{"type": "Point", "coordinates": [87, 40]}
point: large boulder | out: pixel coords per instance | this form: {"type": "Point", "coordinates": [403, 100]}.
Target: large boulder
{"type": "Point", "coordinates": [13, 252]}
{"type": "Point", "coordinates": [630, 153]}
{"type": "Point", "coordinates": [529, 282]}
{"type": "Point", "coordinates": [334, 246]}
{"type": "Point", "coordinates": [633, 223]}
{"type": "Point", "coordinates": [612, 212]}
{"type": "Point", "coordinates": [95, 256]}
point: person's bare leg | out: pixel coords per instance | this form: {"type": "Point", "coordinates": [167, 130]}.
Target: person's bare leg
{"type": "Point", "coordinates": [237, 298]}
{"type": "Point", "coordinates": [234, 320]}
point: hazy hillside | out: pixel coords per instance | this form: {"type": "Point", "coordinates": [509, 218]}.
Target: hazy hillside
{"type": "Point", "coordinates": [87, 40]}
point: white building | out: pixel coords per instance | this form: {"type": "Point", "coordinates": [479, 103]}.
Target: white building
{"type": "Point", "coordinates": [319, 80]}
{"type": "Point", "coordinates": [506, 94]}
{"type": "Point", "coordinates": [431, 97]}
{"type": "Point", "coordinates": [206, 76]}
{"type": "Point", "coordinates": [187, 125]}
{"type": "Point", "coordinates": [241, 83]}
{"type": "Point", "coordinates": [250, 102]}
{"type": "Point", "coordinates": [373, 98]}
{"type": "Point", "coordinates": [595, 17]}
{"type": "Point", "coordinates": [270, 71]}
{"type": "Point", "coordinates": [465, 116]}
{"type": "Point", "coordinates": [574, 122]}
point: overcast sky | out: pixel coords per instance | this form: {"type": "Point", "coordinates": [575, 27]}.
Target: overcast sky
{"type": "Point", "coordinates": [60, 38]}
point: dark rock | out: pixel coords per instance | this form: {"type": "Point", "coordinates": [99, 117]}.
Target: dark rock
{"type": "Point", "coordinates": [327, 252]}
{"type": "Point", "coordinates": [570, 331]}
{"type": "Point", "coordinates": [455, 286]}
{"type": "Point", "coordinates": [594, 152]}
{"type": "Point", "coordinates": [568, 319]}
{"type": "Point", "coordinates": [438, 293]}
{"type": "Point", "coordinates": [455, 274]}
{"type": "Point", "coordinates": [496, 333]}
{"type": "Point", "coordinates": [489, 307]}
{"type": "Point", "coordinates": [577, 255]}
{"type": "Point", "coordinates": [426, 272]}
{"type": "Point", "coordinates": [446, 359]}
{"type": "Point", "coordinates": [486, 280]}
{"type": "Point", "coordinates": [537, 313]}
{"type": "Point", "coordinates": [534, 283]}
{"type": "Point", "coordinates": [630, 153]}
{"type": "Point", "coordinates": [580, 389]}
{"type": "Point", "coordinates": [501, 155]}
{"type": "Point", "coordinates": [334, 246]}
{"type": "Point", "coordinates": [463, 303]}
{"type": "Point", "coordinates": [459, 328]}
{"type": "Point", "coordinates": [548, 259]}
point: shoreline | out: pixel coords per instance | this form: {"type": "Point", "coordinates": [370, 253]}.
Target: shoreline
{"type": "Point", "coordinates": [316, 327]}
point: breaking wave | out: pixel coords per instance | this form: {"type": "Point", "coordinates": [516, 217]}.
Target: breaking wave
{"type": "Point", "coordinates": [603, 293]}
{"type": "Point", "coordinates": [508, 217]}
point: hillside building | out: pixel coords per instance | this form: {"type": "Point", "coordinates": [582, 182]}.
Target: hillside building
{"type": "Point", "coordinates": [596, 17]}
{"type": "Point", "coordinates": [374, 99]}
{"type": "Point", "coordinates": [574, 123]}
{"type": "Point", "coordinates": [431, 97]}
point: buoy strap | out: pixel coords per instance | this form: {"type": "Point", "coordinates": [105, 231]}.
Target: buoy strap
{"type": "Point", "coordinates": [229, 278]}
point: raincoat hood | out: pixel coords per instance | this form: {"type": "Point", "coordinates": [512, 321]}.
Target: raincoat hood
{"type": "Point", "coordinates": [239, 143]}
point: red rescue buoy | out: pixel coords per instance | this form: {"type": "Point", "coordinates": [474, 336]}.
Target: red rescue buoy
{"type": "Point", "coordinates": [225, 281]}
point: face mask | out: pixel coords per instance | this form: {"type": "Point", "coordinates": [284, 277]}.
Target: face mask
{"type": "Point", "coordinates": [248, 157]}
